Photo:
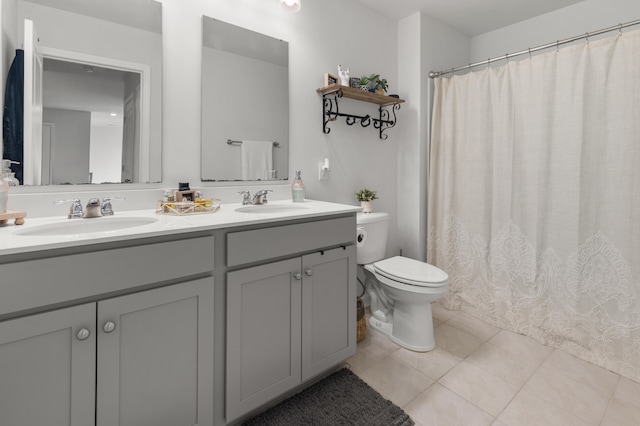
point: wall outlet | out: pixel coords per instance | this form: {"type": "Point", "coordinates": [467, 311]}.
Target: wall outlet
{"type": "Point", "coordinates": [323, 169]}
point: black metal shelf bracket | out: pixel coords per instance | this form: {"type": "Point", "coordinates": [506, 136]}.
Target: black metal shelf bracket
{"type": "Point", "coordinates": [331, 111]}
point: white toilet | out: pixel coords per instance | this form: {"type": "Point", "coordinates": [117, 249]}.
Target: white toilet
{"type": "Point", "coordinates": [401, 289]}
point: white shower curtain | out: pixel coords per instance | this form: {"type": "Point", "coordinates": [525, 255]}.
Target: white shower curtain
{"type": "Point", "coordinates": [534, 197]}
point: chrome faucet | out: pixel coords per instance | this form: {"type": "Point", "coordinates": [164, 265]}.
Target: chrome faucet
{"type": "Point", "coordinates": [247, 197]}
{"type": "Point", "coordinates": [93, 208]}
{"type": "Point", "coordinates": [106, 208]}
{"type": "Point", "coordinates": [75, 212]}
{"type": "Point", "coordinates": [261, 197]}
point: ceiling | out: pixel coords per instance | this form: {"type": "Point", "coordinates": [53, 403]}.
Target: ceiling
{"type": "Point", "coordinates": [471, 17]}
{"type": "Point", "coordinates": [142, 14]}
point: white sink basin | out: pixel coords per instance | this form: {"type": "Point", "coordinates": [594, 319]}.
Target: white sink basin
{"type": "Point", "coordinates": [85, 226]}
{"type": "Point", "coordinates": [271, 208]}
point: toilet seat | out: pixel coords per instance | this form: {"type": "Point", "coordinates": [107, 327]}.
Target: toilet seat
{"type": "Point", "coordinates": [411, 272]}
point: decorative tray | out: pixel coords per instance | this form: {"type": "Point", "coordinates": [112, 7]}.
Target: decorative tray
{"type": "Point", "coordinates": [18, 216]}
{"type": "Point", "coordinates": [184, 208]}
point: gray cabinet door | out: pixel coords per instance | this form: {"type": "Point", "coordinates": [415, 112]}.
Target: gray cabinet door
{"type": "Point", "coordinates": [47, 369]}
{"type": "Point", "coordinates": [328, 309]}
{"type": "Point", "coordinates": [263, 334]}
{"type": "Point", "coordinates": [155, 351]}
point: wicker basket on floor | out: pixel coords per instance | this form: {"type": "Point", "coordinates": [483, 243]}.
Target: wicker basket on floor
{"type": "Point", "coordinates": [362, 321]}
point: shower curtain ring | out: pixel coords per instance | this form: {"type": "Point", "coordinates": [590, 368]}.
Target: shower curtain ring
{"type": "Point", "coordinates": [529, 53]}
{"type": "Point", "coordinates": [557, 45]}
{"type": "Point", "coordinates": [587, 38]}
{"type": "Point", "coordinates": [620, 29]}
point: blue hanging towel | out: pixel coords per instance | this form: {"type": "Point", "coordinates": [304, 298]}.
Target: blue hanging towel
{"type": "Point", "coordinates": [13, 115]}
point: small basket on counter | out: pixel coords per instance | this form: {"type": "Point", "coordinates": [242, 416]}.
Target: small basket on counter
{"type": "Point", "coordinates": [184, 208]}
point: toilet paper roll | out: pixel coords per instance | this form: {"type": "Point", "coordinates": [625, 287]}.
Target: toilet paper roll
{"type": "Point", "coordinates": [361, 237]}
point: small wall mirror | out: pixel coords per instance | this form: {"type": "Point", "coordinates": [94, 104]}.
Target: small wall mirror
{"type": "Point", "coordinates": [245, 104]}
{"type": "Point", "coordinates": [100, 87]}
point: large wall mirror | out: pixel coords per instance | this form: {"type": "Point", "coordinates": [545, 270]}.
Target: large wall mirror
{"type": "Point", "coordinates": [97, 94]}
{"type": "Point", "coordinates": [245, 104]}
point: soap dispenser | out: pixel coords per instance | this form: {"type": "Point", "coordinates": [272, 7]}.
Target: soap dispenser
{"type": "Point", "coordinates": [4, 195]}
{"type": "Point", "coordinates": [297, 189]}
{"type": "Point", "coordinates": [9, 176]}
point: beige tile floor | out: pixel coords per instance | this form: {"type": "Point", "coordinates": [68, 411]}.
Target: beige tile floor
{"type": "Point", "coordinates": [481, 375]}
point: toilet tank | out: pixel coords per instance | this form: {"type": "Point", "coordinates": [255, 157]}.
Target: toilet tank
{"type": "Point", "coordinates": [371, 237]}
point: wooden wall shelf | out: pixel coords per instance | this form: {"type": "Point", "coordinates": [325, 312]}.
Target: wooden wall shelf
{"type": "Point", "coordinates": [360, 95]}
{"type": "Point", "coordinates": [387, 106]}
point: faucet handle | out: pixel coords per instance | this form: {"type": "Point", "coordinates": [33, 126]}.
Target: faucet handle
{"type": "Point", "coordinates": [247, 197]}
{"type": "Point", "coordinates": [75, 212]}
{"type": "Point", "coordinates": [106, 208]}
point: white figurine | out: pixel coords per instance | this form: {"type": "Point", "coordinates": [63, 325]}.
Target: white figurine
{"type": "Point", "coordinates": [343, 75]}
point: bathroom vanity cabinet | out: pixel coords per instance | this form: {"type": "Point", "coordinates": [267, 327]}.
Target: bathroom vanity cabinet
{"type": "Point", "coordinates": [195, 321]}
{"type": "Point", "coordinates": [287, 322]}
{"type": "Point", "coordinates": [292, 316]}
{"type": "Point", "coordinates": [123, 333]}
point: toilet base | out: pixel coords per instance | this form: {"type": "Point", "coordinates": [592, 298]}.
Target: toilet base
{"type": "Point", "coordinates": [410, 327]}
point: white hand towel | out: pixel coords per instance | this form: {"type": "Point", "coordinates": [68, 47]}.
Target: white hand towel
{"type": "Point", "coordinates": [257, 159]}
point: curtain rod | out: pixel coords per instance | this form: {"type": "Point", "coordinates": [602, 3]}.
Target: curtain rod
{"type": "Point", "coordinates": [619, 27]}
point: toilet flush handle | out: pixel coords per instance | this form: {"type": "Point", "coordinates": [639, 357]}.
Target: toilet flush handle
{"type": "Point", "coordinates": [361, 236]}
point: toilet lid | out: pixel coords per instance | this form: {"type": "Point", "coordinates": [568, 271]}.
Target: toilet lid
{"type": "Point", "coordinates": [410, 271]}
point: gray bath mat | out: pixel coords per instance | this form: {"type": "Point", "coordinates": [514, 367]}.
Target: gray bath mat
{"type": "Point", "coordinates": [340, 399]}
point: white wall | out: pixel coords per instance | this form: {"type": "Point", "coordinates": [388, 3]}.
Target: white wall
{"type": "Point", "coordinates": [583, 17]}
{"type": "Point", "coordinates": [321, 36]}
{"type": "Point", "coordinates": [420, 50]}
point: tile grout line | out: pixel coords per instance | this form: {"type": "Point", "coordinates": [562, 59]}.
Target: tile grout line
{"type": "Point", "coordinates": [520, 388]}
{"type": "Point", "coordinates": [613, 394]}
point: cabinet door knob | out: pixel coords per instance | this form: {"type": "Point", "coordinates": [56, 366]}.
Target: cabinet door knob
{"type": "Point", "coordinates": [109, 326]}
{"type": "Point", "coordinates": [297, 275]}
{"type": "Point", "coordinates": [83, 334]}
{"type": "Point", "coordinates": [308, 271]}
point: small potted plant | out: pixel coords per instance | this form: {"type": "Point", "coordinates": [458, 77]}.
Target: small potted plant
{"type": "Point", "coordinates": [381, 86]}
{"type": "Point", "coordinates": [366, 197]}
{"type": "Point", "coordinates": [377, 84]}
{"type": "Point", "coordinates": [364, 83]}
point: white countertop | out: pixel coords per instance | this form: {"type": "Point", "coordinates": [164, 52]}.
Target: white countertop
{"type": "Point", "coordinates": [12, 243]}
